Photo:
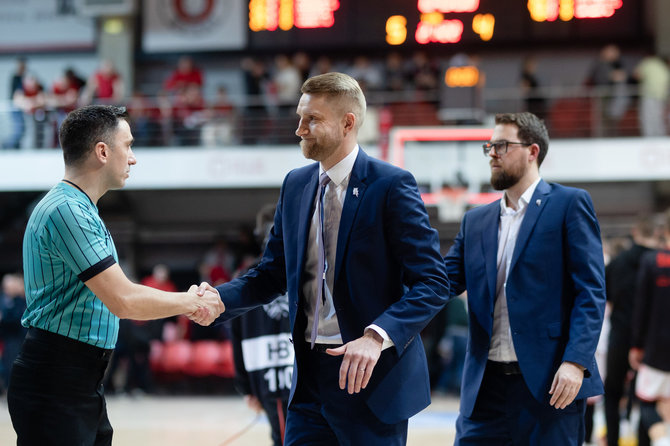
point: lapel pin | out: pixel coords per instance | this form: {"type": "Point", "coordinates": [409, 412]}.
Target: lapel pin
{"type": "Point", "coordinates": [355, 192]}
{"type": "Point", "coordinates": [538, 202]}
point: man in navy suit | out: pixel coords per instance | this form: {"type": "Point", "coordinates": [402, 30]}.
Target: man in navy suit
{"type": "Point", "coordinates": [532, 265]}
{"type": "Point", "coordinates": [364, 275]}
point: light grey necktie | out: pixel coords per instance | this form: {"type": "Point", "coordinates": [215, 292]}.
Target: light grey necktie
{"type": "Point", "coordinates": [322, 265]}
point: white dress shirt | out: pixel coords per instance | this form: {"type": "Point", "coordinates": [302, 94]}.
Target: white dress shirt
{"type": "Point", "coordinates": [333, 201]}
{"type": "Point", "coordinates": [502, 346]}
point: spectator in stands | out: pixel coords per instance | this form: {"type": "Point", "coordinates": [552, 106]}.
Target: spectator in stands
{"type": "Point", "coordinates": [610, 79]}
{"type": "Point", "coordinates": [184, 75]}
{"type": "Point", "coordinates": [423, 73]}
{"type": "Point", "coordinates": [303, 64]}
{"type": "Point", "coordinates": [653, 76]}
{"type": "Point", "coordinates": [12, 306]}
{"type": "Point", "coordinates": [31, 100]}
{"type": "Point", "coordinates": [105, 86]}
{"type": "Point", "coordinates": [65, 93]}
{"type": "Point", "coordinates": [18, 126]}
{"type": "Point", "coordinates": [255, 120]}
{"type": "Point", "coordinates": [286, 82]}
{"type": "Point", "coordinates": [218, 264]}
{"type": "Point", "coordinates": [160, 279]}
{"type": "Point", "coordinates": [145, 119]}
{"type": "Point", "coordinates": [218, 129]}
{"type": "Point", "coordinates": [367, 73]}
{"type": "Point", "coordinates": [264, 331]}
{"type": "Point", "coordinates": [323, 65]}
{"type": "Point", "coordinates": [533, 100]}
{"type": "Point", "coordinates": [394, 72]}
{"type": "Point", "coordinates": [188, 116]}
{"type": "Point", "coordinates": [651, 341]}
{"type": "Point", "coordinates": [620, 280]}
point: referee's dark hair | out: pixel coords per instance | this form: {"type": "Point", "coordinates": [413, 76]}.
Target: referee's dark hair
{"type": "Point", "coordinates": [83, 128]}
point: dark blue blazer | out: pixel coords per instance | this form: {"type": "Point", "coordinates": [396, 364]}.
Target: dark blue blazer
{"type": "Point", "coordinates": [388, 272]}
{"type": "Point", "coordinates": [555, 289]}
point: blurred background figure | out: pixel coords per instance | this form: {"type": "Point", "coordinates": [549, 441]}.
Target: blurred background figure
{"type": "Point", "coordinates": [609, 78]}
{"type": "Point", "coordinates": [423, 73]}
{"type": "Point", "coordinates": [255, 117]}
{"type": "Point", "coordinates": [130, 370]}
{"type": "Point", "coordinates": [145, 120]}
{"type": "Point", "coordinates": [452, 346]}
{"type": "Point", "coordinates": [650, 346]}
{"type": "Point", "coordinates": [621, 283]}
{"type": "Point", "coordinates": [262, 347]}
{"type": "Point", "coordinates": [184, 75]}
{"type": "Point", "coordinates": [219, 128]}
{"type": "Point", "coordinates": [64, 97]}
{"type": "Point", "coordinates": [17, 124]}
{"type": "Point", "coordinates": [12, 306]}
{"type": "Point", "coordinates": [303, 64]}
{"type": "Point", "coordinates": [323, 64]}
{"type": "Point", "coordinates": [160, 279]}
{"type": "Point", "coordinates": [534, 101]}
{"type": "Point", "coordinates": [32, 100]}
{"type": "Point", "coordinates": [394, 72]}
{"type": "Point", "coordinates": [105, 86]}
{"type": "Point", "coordinates": [188, 116]}
{"type": "Point", "coordinates": [285, 85]}
{"type": "Point", "coordinates": [366, 73]}
{"type": "Point", "coordinates": [653, 76]}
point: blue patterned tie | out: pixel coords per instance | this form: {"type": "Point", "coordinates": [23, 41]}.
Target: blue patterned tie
{"type": "Point", "coordinates": [322, 264]}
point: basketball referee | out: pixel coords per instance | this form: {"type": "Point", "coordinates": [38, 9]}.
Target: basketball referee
{"type": "Point", "coordinates": [76, 292]}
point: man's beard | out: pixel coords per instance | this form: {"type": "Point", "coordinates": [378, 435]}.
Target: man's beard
{"type": "Point", "coordinates": [502, 179]}
{"type": "Point", "coordinates": [319, 151]}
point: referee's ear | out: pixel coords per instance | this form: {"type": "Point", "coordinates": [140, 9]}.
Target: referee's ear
{"type": "Point", "coordinates": [101, 152]}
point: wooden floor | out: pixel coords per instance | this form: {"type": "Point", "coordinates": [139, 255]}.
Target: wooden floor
{"type": "Point", "coordinates": [216, 421]}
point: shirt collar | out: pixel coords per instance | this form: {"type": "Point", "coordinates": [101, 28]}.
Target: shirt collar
{"type": "Point", "coordinates": [341, 170]}
{"type": "Point", "coordinates": [523, 200]}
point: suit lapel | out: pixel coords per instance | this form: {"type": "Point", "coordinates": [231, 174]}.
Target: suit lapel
{"type": "Point", "coordinates": [491, 222]}
{"type": "Point", "coordinates": [535, 207]}
{"type": "Point", "coordinates": [352, 199]}
{"type": "Point", "coordinates": [304, 222]}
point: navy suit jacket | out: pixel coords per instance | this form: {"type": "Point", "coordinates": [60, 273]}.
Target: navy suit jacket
{"type": "Point", "coordinates": [555, 289]}
{"type": "Point", "coordinates": [388, 272]}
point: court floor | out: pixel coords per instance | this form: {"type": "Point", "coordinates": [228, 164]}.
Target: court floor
{"type": "Point", "coordinates": [222, 421]}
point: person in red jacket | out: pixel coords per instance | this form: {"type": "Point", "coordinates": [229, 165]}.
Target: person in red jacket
{"type": "Point", "coordinates": [184, 75]}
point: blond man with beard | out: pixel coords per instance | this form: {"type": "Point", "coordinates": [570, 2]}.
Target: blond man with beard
{"type": "Point", "coordinates": [353, 247]}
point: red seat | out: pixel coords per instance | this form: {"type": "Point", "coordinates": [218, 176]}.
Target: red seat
{"type": "Point", "coordinates": [171, 357]}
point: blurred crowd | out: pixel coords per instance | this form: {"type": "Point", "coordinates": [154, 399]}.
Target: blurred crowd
{"type": "Point", "coordinates": [166, 354]}
{"type": "Point", "coordinates": [620, 100]}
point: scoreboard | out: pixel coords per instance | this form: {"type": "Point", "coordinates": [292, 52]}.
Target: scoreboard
{"type": "Point", "coordinates": [383, 24]}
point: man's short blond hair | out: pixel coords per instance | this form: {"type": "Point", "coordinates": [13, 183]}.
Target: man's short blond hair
{"type": "Point", "coordinates": [341, 87]}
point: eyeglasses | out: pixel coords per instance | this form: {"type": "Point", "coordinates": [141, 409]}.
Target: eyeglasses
{"type": "Point", "coordinates": [499, 147]}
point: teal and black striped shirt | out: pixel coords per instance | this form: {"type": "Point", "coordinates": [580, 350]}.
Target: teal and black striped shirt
{"type": "Point", "coordinates": [65, 244]}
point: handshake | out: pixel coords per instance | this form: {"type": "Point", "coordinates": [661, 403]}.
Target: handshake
{"type": "Point", "coordinates": [208, 302]}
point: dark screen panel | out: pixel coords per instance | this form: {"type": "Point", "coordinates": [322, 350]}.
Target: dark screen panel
{"type": "Point", "coordinates": [361, 24]}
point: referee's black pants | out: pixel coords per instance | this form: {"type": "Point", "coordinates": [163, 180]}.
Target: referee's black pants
{"type": "Point", "coordinates": [55, 395]}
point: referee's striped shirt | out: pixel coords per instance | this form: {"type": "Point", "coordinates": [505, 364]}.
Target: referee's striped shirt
{"type": "Point", "coordinates": [65, 244]}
